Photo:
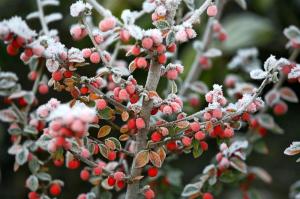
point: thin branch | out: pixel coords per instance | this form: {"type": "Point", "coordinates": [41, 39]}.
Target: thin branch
{"type": "Point", "coordinates": [195, 70]}
{"type": "Point", "coordinates": [42, 17]}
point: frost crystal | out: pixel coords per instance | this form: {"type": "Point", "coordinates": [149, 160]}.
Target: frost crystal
{"type": "Point", "coordinates": [79, 7]}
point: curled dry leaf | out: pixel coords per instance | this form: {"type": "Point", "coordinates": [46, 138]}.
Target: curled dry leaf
{"type": "Point", "coordinates": [155, 159]}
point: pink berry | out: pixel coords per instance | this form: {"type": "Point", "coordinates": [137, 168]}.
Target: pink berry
{"type": "Point", "coordinates": [111, 155]}
{"type": "Point", "coordinates": [162, 59]}
{"type": "Point", "coordinates": [141, 62]}
{"type": "Point", "coordinates": [212, 10]}
{"type": "Point", "coordinates": [147, 43]}
{"type": "Point", "coordinates": [217, 113]}
{"type": "Point", "coordinates": [38, 50]}
{"type": "Point", "coordinates": [124, 36]}
{"type": "Point", "coordinates": [107, 24]}
{"type": "Point", "coordinates": [135, 50]}
{"type": "Point", "coordinates": [76, 32]}
{"type": "Point", "coordinates": [86, 52]}
{"type": "Point", "coordinates": [186, 141]}
{"type": "Point", "coordinates": [167, 110]}
{"type": "Point", "coordinates": [140, 123]}
{"type": "Point", "coordinates": [172, 74]}
{"type": "Point", "coordinates": [97, 171]}
{"type": "Point", "coordinates": [123, 95]}
{"type": "Point", "coordinates": [199, 135]}
{"type": "Point", "coordinates": [101, 104]}
{"type": "Point", "coordinates": [43, 89]}
{"type": "Point", "coordinates": [119, 175]}
{"type": "Point", "coordinates": [195, 126]}
{"type": "Point", "coordinates": [95, 58]}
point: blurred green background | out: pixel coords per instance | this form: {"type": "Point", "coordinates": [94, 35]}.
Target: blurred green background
{"type": "Point", "coordinates": [261, 25]}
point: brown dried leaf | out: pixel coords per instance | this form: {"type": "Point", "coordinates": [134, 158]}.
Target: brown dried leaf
{"type": "Point", "coordinates": [125, 116]}
{"type": "Point", "coordinates": [104, 131]}
{"type": "Point", "coordinates": [124, 137]}
{"type": "Point", "coordinates": [155, 159]}
{"type": "Point", "coordinates": [162, 153]}
{"type": "Point", "coordinates": [141, 159]}
{"type": "Point", "coordinates": [103, 150]}
{"type": "Point", "coordinates": [110, 144]}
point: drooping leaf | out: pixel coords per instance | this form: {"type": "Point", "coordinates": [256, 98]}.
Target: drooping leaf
{"type": "Point", "coordinates": [238, 164]}
{"type": "Point", "coordinates": [155, 159]}
{"type": "Point", "coordinates": [288, 95]}
{"type": "Point", "coordinates": [141, 159]}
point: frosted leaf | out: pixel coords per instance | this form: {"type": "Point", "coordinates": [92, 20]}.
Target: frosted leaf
{"type": "Point", "coordinates": [270, 63]}
{"type": "Point", "coordinates": [242, 3]}
{"type": "Point", "coordinates": [7, 115]}
{"type": "Point", "coordinates": [292, 33]}
{"type": "Point", "coordinates": [79, 7]}
{"type": "Point", "coordinates": [128, 17]}
{"type": "Point", "coordinates": [8, 83]}
{"type": "Point", "coordinates": [148, 7]}
{"type": "Point", "coordinates": [135, 31]}
{"type": "Point", "coordinates": [295, 72]}
{"type": "Point", "coordinates": [20, 28]}
{"type": "Point", "coordinates": [75, 55]}
{"type": "Point", "coordinates": [247, 59]}
{"type": "Point", "coordinates": [258, 74]}
{"type": "Point", "coordinates": [52, 65]}
{"type": "Point", "coordinates": [32, 15]}
{"type": "Point", "coordinates": [122, 71]}
{"type": "Point", "coordinates": [293, 149]}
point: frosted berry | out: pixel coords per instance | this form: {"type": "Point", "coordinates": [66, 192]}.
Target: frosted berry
{"type": "Point", "coordinates": [111, 155]}
{"type": "Point", "coordinates": [95, 58]}
{"type": "Point", "coordinates": [149, 194]}
{"type": "Point", "coordinates": [199, 135]}
{"type": "Point", "coordinates": [212, 10]}
{"type": "Point", "coordinates": [57, 75]}
{"type": "Point", "coordinates": [97, 171]}
{"type": "Point", "coordinates": [43, 89]}
{"type": "Point", "coordinates": [119, 175]}
{"type": "Point", "coordinates": [186, 141]}
{"type": "Point", "coordinates": [147, 43]}
{"type": "Point", "coordinates": [107, 24]}
{"type": "Point", "coordinates": [101, 104]}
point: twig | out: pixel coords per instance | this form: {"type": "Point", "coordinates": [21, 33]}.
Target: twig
{"type": "Point", "coordinates": [42, 17]}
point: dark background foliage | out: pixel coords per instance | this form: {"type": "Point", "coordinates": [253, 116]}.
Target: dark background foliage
{"type": "Point", "coordinates": [260, 26]}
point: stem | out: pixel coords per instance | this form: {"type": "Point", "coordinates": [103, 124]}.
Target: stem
{"type": "Point", "coordinates": [197, 13]}
{"type": "Point", "coordinates": [42, 17]}
{"type": "Point", "coordinates": [141, 138]}
{"type": "Point", "coordinates": [195, 70]}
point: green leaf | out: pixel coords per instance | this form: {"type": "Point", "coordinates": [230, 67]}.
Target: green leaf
{"type": "Point", "coordinates": [162, 24]}
{"type": "Point", "coordinates": [32, 183]}
{"type": "Point", "coordinates": [229, 177]}
{"type": "Point", "coordinates": [44, 176]}
{"type": "Point", "coordinates": [34, 165]}
{"type": "Point", "coordinates": [106, 113]}
{"type": "Point", "coordinates": [170, 38]}
{"type": "Point", "coordinates": [22, 156]}
{"type": "Point", "coordinates": [190, 190]}
{"type": "Point", "coordinates": [197, 150]}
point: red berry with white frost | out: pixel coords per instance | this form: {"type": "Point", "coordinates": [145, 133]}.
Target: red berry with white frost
{"type": "Point", "coordinates": [186, 141]}
{"type": "Point", "coordinates": [212, 10]}
{"type": "Point", "coordinates": [147, 43]}
{"type": "Point", "coordinates": [95, 58]}
{"type": "Point", "coordinates": [149, 194]}
{"type": "Point", "coordinates": [107, 24]}
{"type": "Point", "coordinates": [140, 123]}
{"type": "Point", "coordinates": [101, 104]}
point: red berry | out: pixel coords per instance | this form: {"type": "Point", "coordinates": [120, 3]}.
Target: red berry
{"type": "Point", "coordinates": [111, 181]}
{"type": "Point", "coordinates": [135, 50]}
{"type": "Point", "coordinates": [156, 137]}
{"type": "Point", "coordinates": [131, 124]}
{"type": "Point", "coordinates": [73, 164]}
{"type": "Point", "coordinates": [84, 175]}
{"type": "Point", "coordinates": [97, 171]}
{"type": "Point", "coordinates": [147, 43]}
{"type": "Point", "coordinates": [280, 108]}
{"type": "Point", "coordinates": [58, 162]}
{"type": "Point", "coordinates": [101, 104]}
{"type": "Point", "coordinates": [120, 184]}
{"type": "Point", "coordinates": [212, 11]}
{"type": "Point", "coordinates": [12, 51]}
{"type": "Point", "coordinates": [186, 141]}
{"type": "Point", "coordinates": [207, 196]}
{"type": "Point", "coordinates": [55, 189]}
{"type": "Point", "coordinates": [172, 48]}
{"type": "Point", "coordinates": [68, 74]}
{"type": "Point", "coordinates": [111, 155]}
{"type": "Point", "coordinates": [22, 101]}
{"type": "Point", "coordinates": [140, 123]}
{"type": "Point", "coordinates": [33, 195]}
{"type": "Point", "coordinates": [134, 98]}
{"type": "Point", "coordinates": [162, 59]}
{"type": "Point", "coordinates": [84, 90]}
{"type": "Point", "coordinates": [204, 145]}
{"type": "Point", "coordinates": [152, 172]}
{"type": "Point", "coordinates": [95, 58]}
{"type": "Point", "coordinates": [171, 146]}
{"type": "Point", "coordinates": [57, 75]}
{"type": "Point", "coordinates": [199, 135]}
{"type": "Point", "coordinates": [149, 194]}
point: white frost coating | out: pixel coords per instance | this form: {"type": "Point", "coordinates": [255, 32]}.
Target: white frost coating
{"type": "Point", "coordinates": [18, 27]}
{"type": "Point", "coordinates": [258, 74]}
{"type": "Point", "coordinates": [79, 109]}
{"type": "Point", "coordinates": [77, 8]}
{"type": "Point", "coordinates": [75, 55]}
{"type": "Point", "coordinates": [295, 72]}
